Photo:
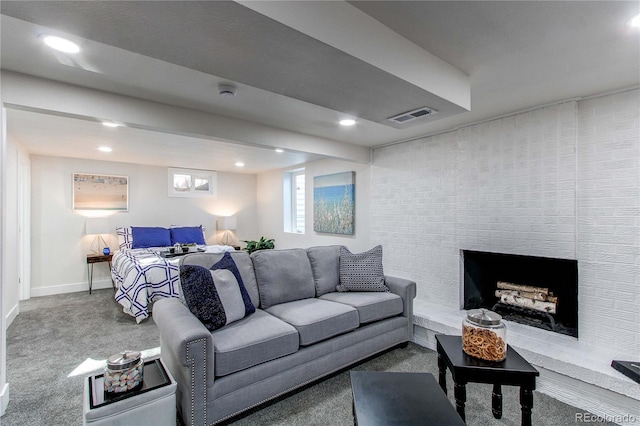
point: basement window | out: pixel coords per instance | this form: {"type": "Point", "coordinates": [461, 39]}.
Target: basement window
{"type": "Point", "coordinates": [192, 183]}
{"type": "Point", "coordinates": [294, 201]}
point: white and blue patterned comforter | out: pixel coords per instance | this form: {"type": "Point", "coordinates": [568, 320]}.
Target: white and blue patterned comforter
{"type": "Point", "coordinates": [143, 276]}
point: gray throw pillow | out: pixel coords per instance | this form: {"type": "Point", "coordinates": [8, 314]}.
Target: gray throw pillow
{"type": "Point", "coordinates": [215, 296]}
{"type": "Point", "coordinates": [361, 271]}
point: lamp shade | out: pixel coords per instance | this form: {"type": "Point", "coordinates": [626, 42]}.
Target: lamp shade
{"type": "Point", "coordinates": [227, 223]}
{"type": "Point", "coordinates": [97, 226]}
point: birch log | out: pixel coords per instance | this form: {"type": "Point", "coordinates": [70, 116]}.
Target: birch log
{"type": "Point", "coordinates": [512, 299]}
{"type": "Point", "coordinates": [535, 296]}
{"type": "Point", "coordinates": [522, 288]}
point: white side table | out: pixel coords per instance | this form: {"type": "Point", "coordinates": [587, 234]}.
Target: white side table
{"type": "Point", "coordinates": [154, 403]}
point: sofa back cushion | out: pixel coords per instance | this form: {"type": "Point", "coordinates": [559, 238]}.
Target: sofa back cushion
{"type": "Point", "coordinates": [283, 276]}
{"type": "Point", "coordinates": [242, 261]}
{"type": "Point", "coordinates": [325, 265]}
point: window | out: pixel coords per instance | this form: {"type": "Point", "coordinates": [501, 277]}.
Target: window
{"type": "Point", "coordinates": [181, 183]}
{"type": "Point", "coordinates": [294, 201]}
{"type": "Point", "coordinates": [192, 183]}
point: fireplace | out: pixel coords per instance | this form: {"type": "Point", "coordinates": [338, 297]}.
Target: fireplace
{"type": "Point", "coordinates": [536, 291]}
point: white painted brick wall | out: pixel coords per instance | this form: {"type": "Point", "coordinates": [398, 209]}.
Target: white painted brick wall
{"type": "Point", "coordinates": [608, 197]}
{"type": "Point", "coordinates": [561, 181]}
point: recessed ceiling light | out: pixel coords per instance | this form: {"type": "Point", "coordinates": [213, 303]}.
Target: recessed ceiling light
{"type": "Point", "coordinates": [347, 122]}
{"type": "Point", "coordinates": [279, 150]}
{"type": "Point", "coordinates": [239, 164]}
{"type": "Point", "coordinates": [634, 22]}
{"type": "Point", "coordinates": [105, 149]}
{"type": "Point", "coordinates": [110, 124]}
{"type": "Point", "coordinates": [60, 44]}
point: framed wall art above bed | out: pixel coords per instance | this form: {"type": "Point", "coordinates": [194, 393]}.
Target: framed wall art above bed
{"type": "Point", "coordinates": [93, 191]}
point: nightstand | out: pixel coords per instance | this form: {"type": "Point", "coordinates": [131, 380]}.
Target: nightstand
{"type": "Point", "coordinates": [98, 258]}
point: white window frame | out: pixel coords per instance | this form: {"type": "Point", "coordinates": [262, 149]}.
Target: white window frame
{"type": "Point", "coordinates": [294, 219]}
{"type": "Point", "coordinates": [193, 174]}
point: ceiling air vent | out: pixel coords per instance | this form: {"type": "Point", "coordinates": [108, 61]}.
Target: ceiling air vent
{"type": "Point", "coordinates": [405, 117]}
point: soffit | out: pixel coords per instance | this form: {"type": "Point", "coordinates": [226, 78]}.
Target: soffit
{"type": "Point", "coordinates": [233, 42]}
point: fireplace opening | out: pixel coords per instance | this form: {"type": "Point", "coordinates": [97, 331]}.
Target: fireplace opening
{"type": "Point", "coordinates": [536, 291]}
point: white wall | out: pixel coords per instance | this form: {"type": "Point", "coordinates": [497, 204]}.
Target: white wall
{"type": "Point", "coordinates": [58, 241]}
{"type": "Point", "coordinates": [561, 181]}
{"type": "Point", "coordinates": [270, 208]}
{"type": "Point", "coordinates": [4, 386]}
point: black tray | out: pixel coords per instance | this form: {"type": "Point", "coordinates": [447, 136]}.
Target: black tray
{"type": "Point", "coordinates": [631, 369]}
{"type": "Point", "coordinates": [153, 377]}
{"type": "Point", "coordinates": [167, 254]}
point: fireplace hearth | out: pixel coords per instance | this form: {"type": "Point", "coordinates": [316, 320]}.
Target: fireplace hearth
{"type": "Point", "coordinates": [536, 291]}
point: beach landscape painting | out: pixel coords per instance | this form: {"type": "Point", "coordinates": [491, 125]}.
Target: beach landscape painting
{"type": "Point", "coordinates": [334, 203]}
{"type": "Point", "coordinates": [100, 192]}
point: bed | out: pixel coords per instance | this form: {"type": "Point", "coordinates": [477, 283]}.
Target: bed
{"type": "Point", "coordinates": [143, 275]}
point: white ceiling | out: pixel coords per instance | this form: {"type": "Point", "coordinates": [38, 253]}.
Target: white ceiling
{"type": "Point", "coordinates": [516, 54]}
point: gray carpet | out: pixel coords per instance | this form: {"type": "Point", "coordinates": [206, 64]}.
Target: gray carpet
{"type": "Point", "coordinates": [54, 335]}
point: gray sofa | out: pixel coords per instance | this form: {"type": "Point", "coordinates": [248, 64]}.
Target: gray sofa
{"type": "Point", "coordinates": [301, 331]}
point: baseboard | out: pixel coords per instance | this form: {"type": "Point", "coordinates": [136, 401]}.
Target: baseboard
{"type": "Point", "coordinates": [69, 288]}
{"type": "Point", "coordinates": [4, 398]}
{"type": "Point", "coordinates": [13, 313]}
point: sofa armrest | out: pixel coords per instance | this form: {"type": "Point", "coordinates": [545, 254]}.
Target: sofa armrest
{"type": "Point", "coordinates": [406, 289]}
{"type": "Point", "coordinates": [186, 347]}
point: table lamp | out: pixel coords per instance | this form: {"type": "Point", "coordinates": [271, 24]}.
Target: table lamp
{"type": "Point", "coordinates": [97, 226]}
{"type": "Point", "coordinates": [228, 224]}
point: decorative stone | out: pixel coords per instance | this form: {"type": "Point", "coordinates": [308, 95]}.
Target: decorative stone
{"type": "Point", "coordinates": [124, 372]}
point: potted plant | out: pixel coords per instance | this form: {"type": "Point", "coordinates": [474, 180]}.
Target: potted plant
{"type": "Point", "coordinates": [261, 244]}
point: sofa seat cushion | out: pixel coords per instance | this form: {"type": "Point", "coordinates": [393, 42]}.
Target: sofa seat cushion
{"type": "Point", "coordinates": [316, 319]}
{"type": "Point", "coordinates": [371, 306]}
{"type": "Point", "coordinates": [258, 338]}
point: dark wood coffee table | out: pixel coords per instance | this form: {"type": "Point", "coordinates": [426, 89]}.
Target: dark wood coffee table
{"type": "Point", "coordinates": [383, 398]}
{"type": "Point", "coordinates": [513, 371]}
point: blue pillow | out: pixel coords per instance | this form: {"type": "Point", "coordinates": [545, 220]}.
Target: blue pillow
{"type": "Point", "coordinates": [187, 235]}
{"type": "Point", "coordinates": [216, 296]}
{"type": "Point", "coordinates": [144, 237]}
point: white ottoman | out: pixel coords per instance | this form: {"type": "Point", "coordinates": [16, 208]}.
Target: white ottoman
{"type": "Point", "coordinates": [153, 404]}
